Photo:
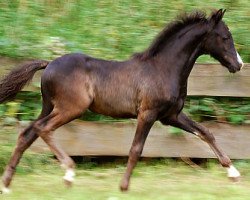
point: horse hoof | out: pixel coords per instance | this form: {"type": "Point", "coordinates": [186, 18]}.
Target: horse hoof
{"type": "Point", "coordinates": [68, 183]}
{"type": "Point", "coordinates": [235, 179]}
{"type": "Point", "coordinates": [233, 174]}
{"type": "Point", "coordinates": [5, 190]}
{"type": "Point", "coordinates": [69, 177]}
{"type": "Point", "coordinates": [124, 187]}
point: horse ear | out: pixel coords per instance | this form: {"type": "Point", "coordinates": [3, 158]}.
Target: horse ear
{"type": "Point", "coordinates": [217, 16]}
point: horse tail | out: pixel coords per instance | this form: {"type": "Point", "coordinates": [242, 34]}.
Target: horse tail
{"type": "Point", "coordinates": [12, 83]}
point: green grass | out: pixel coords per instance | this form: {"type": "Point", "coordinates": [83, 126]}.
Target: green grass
{"type": "Point", "coordinates": [172, 180]}
{"type": "Point", "coordinates": [39, 177]}
{"type": "Point", "coordinates": [107, 29]}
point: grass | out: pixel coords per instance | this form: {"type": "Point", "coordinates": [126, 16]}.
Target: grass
{"type": "Point", "coordinates": [150, 181]}
{"type": "Point", "coordinates": [107, 29]}
{"type": "Point", "coordinates": [39, 177]}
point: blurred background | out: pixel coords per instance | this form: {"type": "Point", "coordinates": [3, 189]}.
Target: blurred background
{"type": "Point", "coordinates": [113, 29]}
{"type": "Point", "coordinates": [110, 29]}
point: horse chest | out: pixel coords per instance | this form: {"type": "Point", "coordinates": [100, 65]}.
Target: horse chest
{"type": "Point", "coordinates": [170, 107]}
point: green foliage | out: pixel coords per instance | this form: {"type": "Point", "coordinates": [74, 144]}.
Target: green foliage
{"type": "Point", "coordinates": [223, 109]}
{"type": "Point", "coordinates": [90, 116]}
{"type": "Point", "coordinates": [107, 29]}
{"type": "Point", "coordinates": [175, 131]}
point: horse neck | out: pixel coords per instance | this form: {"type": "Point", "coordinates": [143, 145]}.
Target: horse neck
{"type": "Point", "coordinates": [180, 54]}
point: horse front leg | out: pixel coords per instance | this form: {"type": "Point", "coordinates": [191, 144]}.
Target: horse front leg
{"type": "Point", "coordinates": [145, 122]}
{"type": "Point", "coordinates": [185, 123]}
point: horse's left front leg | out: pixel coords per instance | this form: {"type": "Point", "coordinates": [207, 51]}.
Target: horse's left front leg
{"type": "Point", "coordinates": [145, 122]}
{"type": "Point", "coordinates": [185, 123]}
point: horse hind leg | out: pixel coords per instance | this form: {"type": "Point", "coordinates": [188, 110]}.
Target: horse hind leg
{"type": "Point", "coordinates": [25, 139]}
{"type": "Point", "coordinates": [46, 127]}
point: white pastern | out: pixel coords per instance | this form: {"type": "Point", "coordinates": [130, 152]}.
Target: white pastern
{"type": "Point", "coordinates": [69, 175]}
{"type": "Point", "coordinates": [232, 172]}
{"type": "Point", "coordinates": [239, 60]}
{"type": "Point", "coordinates": [6, 190]}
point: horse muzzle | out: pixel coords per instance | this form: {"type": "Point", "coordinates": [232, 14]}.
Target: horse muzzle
{"type": "Point", "coordinates": [235, 68]}
{"type": "Point", "coordinates": [235, 65]}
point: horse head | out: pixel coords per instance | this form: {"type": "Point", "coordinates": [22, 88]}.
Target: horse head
{"type": "Point", "coordinates": [219, 43]}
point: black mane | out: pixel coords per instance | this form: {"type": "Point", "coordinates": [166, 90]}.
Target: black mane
{"type": "Point", "coordinates": [181, 22]}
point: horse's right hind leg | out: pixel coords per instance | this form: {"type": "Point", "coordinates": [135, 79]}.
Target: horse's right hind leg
{"type": "Point", "coordinates": [46, 126]}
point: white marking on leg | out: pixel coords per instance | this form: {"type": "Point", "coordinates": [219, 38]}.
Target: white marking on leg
{"type": "Point", "coordinates": [197, 134]}
{"type": "Point", "coordinates": [69, 175]}
{"type": "Point", "coordinates": [239, 60]}
{"type": "Point", "coordinates": [6, 190]}
{"type": "Point", "coordinates": [232, 172]}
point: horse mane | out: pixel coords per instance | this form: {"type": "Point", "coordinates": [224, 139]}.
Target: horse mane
{"type": "Point", "coordinates": [181, 21]}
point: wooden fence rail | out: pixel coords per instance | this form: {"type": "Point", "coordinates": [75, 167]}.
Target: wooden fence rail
{"type": "Point", "coordinates": [101, 139]}
{"type": "Point", "coordinates": [215, 80]}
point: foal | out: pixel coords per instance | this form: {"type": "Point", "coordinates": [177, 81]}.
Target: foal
{"type": "Point", "coordinates": [150, 86]}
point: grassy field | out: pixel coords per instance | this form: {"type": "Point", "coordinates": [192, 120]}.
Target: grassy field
{"type": "Point", "coordinates": [150, 181]}
{"type": "Point", "coordinates": [40, 177]}
{"type": "Point", "coordinates": [107, 29]}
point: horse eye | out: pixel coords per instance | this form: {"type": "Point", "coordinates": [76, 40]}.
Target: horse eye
{"type": "Point", "coordinates": [225, 38]}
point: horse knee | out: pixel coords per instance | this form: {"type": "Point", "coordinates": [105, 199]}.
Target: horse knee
{"type": "Point", "coordinates": [37, 127]}
{"type": "Point", "coordinates": [206, 135]}
{"type": "Point", "coordinates": [210, 137]}
{"type": "Point", "coordinates": [25, 139]}
{"type": "Point", "coordinates": [42, 130]}
{"type": "Point", "coordinates": [136, 151]}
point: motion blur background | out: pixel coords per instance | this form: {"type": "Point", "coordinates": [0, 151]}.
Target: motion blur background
{"type": "Point", "coordinates": [110, 29]}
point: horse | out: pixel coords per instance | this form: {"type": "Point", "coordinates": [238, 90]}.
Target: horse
{"type": "Point", "coordinates": [149, 86]}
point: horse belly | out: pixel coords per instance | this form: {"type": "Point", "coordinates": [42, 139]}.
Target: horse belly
{"type": "Point", "coordinates": [113, 106]}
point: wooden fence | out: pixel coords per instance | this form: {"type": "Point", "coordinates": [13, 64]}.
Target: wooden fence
{"type": "Point", "coordinates": [215, 80]}
{"type": "Point", "coordinates": [95, 138]}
